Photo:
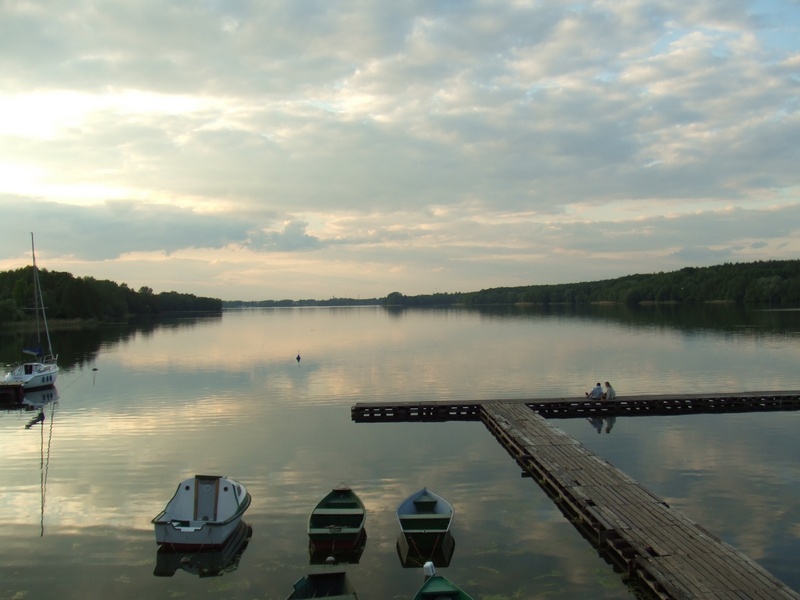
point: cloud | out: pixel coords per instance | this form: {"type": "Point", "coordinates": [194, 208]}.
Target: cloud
{"type": "Point", "coordinates": [490, 144]}
{"type": "Point", "coordinates": [291, 238]}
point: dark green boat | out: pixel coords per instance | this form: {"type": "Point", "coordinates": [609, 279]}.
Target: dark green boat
{"type": "Point", "coordinates": [437, 587]}
{"type": "Point", "coordinates": [333, 585]}
{"type": "Point", "coordinates": [337, 522]}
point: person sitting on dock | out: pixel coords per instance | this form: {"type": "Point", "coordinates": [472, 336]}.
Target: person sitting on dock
{"type": "Point", "coordinates": [610, 393]}
{"type": "Point", "coordinates": [596, 393]}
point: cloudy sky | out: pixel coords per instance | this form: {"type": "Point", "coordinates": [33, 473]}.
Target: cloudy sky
{"type": "Point", "coordinates": [261, 149]}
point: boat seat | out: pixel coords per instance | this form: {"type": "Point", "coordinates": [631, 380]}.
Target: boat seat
{"type": "Point", "coordinates": [425, 504]}
{"type": "Point", "coordinates": [343, 502]}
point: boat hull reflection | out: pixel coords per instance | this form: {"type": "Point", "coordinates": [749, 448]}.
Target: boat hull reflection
{"type": "Point", "coordinates": [325, 584]}
{"type": "Point", "coordinates": [414, 553]}
{"type": "Point", "coordinates": [350, 554]}
{"type": "Point", "coordinates": [211, 562]}
{"type": "Point", "coordinates": [37, 401]}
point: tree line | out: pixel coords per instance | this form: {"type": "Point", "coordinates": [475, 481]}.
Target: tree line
{"type": "Point", "coordinates": [775, 283]}
{"type": "Point", "coordinates": [69, 297]}
{"type": "Point", "coordinates": [286, 303]}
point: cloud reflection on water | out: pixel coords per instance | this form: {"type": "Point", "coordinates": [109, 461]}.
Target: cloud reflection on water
{"type": "Point", "coordinates": [228, 397]}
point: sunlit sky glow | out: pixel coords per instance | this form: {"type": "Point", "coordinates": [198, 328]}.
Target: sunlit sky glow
{"type": "Point", "coordinates": [265, 150]}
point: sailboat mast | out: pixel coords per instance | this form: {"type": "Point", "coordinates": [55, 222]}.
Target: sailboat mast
{"type": "Point", "coordinates": [39, 300]}
{"type": "Point", "coordinates": [36, 295]}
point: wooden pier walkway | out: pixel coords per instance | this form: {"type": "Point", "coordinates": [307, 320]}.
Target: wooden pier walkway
{"type": "Point", "coordinates": [673, 557]}
{"type": "Point", "coordinates": [628, 406]}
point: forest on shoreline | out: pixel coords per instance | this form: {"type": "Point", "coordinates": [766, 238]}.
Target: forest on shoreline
{"type": "Point", "coordinates": [85, 298]}
{"type": "Point", "coordinates": [774, 283]}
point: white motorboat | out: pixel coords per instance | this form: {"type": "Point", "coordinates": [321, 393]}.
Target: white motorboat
{"type": "Point", "coordinates": [203, 513]}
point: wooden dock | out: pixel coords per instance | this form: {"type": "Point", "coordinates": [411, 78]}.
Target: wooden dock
{"type": "Point", "coordinates": [670, 555]}
{"type": "Point", "coordinates": [11, 393]}
{"type": "Point", "coordinates": [628, 406]}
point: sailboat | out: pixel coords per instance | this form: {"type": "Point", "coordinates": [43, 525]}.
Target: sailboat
{"type": "Point", "coordinates": [41, 371]}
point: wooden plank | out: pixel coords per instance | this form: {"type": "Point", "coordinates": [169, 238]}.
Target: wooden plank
{"type": "Point", "coordinates": [672, 555]}
{"type": "Point", "coordinates": [442, 410]}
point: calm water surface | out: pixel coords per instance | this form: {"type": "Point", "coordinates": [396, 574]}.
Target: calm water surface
{"type": "Point", "coordinates": [225, 395]}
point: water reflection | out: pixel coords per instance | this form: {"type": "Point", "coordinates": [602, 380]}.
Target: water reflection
{"type": "Point", "coordinates": [212, 562]}
{"type": "Point", "coordinates": [229, 396]}
{"type": "Point", "coordinates": [39, 418]}
{"type": "Point", "coordinates": [324, 584]}
{"type": "Point", "coordinates": [349, 555]}
{"type": "Point", "coordinates": [32, 400]}
{"type": "Point", "coordinates": [79, 346]}
{"type": "Point", "coordinates": [414, 552]}
{"type": "Point", "coordinates": [39, 401]}
{"type": "Point", "coordinates": [598, 423]}
{"type": "Point", "coordinates": [747, 321]}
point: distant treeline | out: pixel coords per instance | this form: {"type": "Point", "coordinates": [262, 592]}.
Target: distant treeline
{"type": "Point", "coordinates": [69, 297]}
{"type": "Point", "coordinates": [233, 304]}
{"type": "Point", "coordinates": [774, 283]}
{"type": "Point", "coordinates": [764, 282]}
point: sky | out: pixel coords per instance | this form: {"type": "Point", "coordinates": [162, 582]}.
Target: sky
{"type": "Point", "coordinates": [251, 150]}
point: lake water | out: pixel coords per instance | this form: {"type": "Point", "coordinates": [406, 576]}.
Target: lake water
{"type": "Point", "coordinates": [225, 395]}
